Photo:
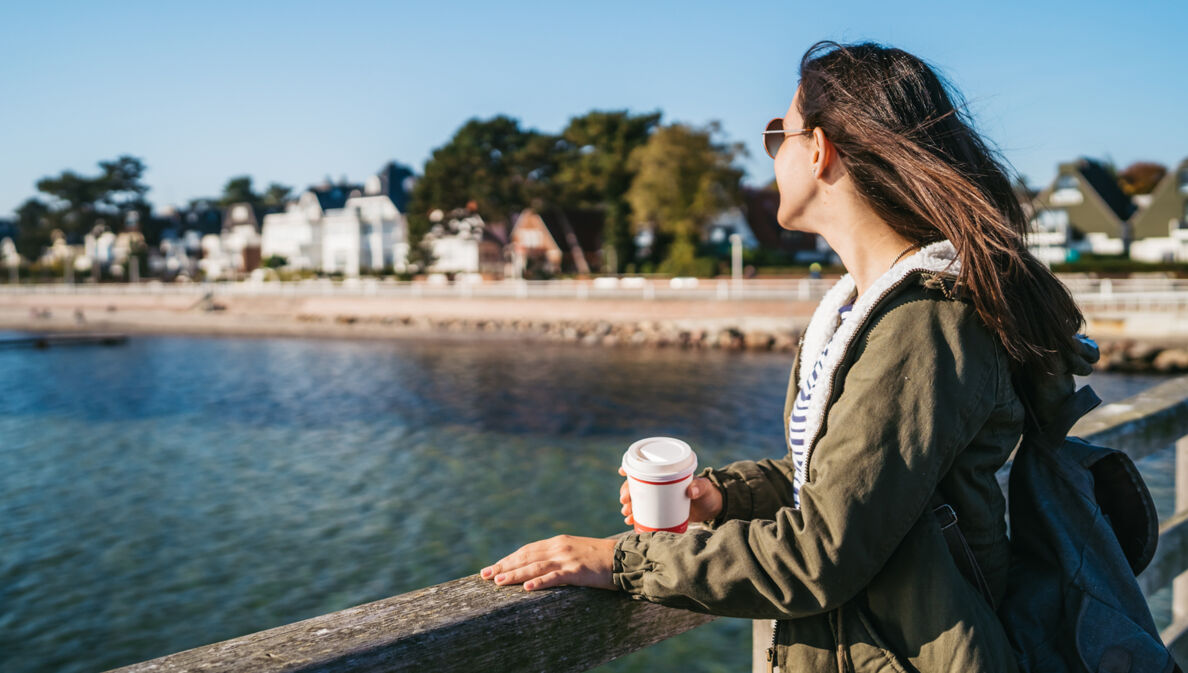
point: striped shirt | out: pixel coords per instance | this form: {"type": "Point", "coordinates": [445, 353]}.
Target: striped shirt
{"type": "Point", "coordinates": [796, 419]}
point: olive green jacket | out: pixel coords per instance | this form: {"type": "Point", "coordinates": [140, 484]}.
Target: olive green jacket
{"type": "Point", "coordinates": [920, 400]}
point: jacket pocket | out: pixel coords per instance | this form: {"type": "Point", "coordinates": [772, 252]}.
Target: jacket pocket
{"type": "Point", "coordinates": [867, 649]}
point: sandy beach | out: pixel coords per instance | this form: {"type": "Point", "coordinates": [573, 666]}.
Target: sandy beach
{"type": "Point", "coordinates": [750, 324]}
{"type": "Point", "coordinates": [390, 317]}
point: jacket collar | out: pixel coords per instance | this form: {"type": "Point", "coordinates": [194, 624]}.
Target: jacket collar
{"type": "Point", "coordinates": [824, 329]}
{"type": "Point", "coordinates": [938, 257]}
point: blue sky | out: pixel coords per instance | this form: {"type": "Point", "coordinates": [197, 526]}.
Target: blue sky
{"type": "Point", "coordinates": [293, 92]}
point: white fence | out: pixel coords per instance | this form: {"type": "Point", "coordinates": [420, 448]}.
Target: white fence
{"type": "Point", "coordinates": [1097, 295]}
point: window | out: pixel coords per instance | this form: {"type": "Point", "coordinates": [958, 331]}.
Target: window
{"type": "Point", "coordinates": [1184, 181]}
{"type": "Point", "coordinates": [1051, 220]}
{"type": "Point", "coordinates": [1066, 191]}
{"type": "Point", "coordinates": [532, 239]}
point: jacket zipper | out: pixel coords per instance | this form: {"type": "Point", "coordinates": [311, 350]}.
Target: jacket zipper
{"type": "Point", "coordinates": [772, 658]}
{"type": "Point", "coordinates": [773, 664]}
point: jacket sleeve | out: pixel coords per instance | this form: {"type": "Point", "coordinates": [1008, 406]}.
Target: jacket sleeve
{"type": "Point", "coordinates": [752, 489]}
{"type": "Point", "coordinates": [920, 386]}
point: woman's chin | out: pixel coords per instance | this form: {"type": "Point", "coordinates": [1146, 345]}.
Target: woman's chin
{"type": "Point", "coordinates": [789, 222]}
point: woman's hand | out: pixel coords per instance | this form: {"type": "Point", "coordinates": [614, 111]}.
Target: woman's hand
{"type": "Point", "coordinates": [705, 506]}
{"type": "Point", "coordinates": [565, 559]}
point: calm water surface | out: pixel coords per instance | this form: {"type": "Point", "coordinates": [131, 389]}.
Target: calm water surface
{"type": "Point", "coordinates": [179, 491]}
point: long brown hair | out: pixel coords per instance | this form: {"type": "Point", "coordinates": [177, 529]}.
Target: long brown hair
{"type": "Point", "coordinates": [917, 160]}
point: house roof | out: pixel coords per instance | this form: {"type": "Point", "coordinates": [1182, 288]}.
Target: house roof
{"type": "Point", "coordinates": [334, 196]}
{"type": "Point", "coordinates": [1106, 187]}
{"type": "Point", "coordinates": [497, 232]}
{"type": "Point", "coordinates": [1166, 202]}
{"type": "Point", "coordinates": [241, 213]}
{"type": "Point", "coordinates": [393, 178]}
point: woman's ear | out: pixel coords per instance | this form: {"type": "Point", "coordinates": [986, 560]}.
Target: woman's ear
{"type": "Point", "coordinates": [823, 154]}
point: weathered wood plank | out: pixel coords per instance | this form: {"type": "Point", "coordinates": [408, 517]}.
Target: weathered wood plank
{"type": "Point", "coordinates": [1171, 556]}
{"type": "Point", "coordinates": [464, 625]}
{"type": "Point", "coordinates": [1175, 637]}
{"type": "Point", "coordinates": [760, 640]}
{"type": "Point", "coordinates": [1140, 425]}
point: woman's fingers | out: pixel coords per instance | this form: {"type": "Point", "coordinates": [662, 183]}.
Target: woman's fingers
{"type": "Point", "coordinates": [525, 573]}
{"type": "Point", "coordinates": [511, 568]}
{"type": "Point", "coordinates": [563, 559]}
{"type": "Point", "coordinates": [625, 499]}
{"type": "Point", "coordinates": [549, 579]}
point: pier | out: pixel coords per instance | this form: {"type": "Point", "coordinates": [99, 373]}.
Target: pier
{"type": "Point", "coordinates": [56, 340]}
{"type": "Point", "coordinates": [470, 624]}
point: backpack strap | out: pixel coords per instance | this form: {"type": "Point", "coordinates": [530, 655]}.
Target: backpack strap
{"type": "Point", "coordinates": [1055, 429]}
{"type": "Point", "coordinates": [959, 549]}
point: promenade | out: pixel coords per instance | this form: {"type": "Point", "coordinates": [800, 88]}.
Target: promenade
{"type": "Point", "coordinates": [753, 314]}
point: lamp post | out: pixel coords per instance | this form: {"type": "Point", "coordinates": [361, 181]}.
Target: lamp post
{"type": "Point", "coordinates": [12, 260]}
{"type": "Point", "coordinates": [735, 260]}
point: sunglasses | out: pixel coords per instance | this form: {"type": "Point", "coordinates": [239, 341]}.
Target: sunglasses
{"type": "Point", "coordinates": [774, 134]}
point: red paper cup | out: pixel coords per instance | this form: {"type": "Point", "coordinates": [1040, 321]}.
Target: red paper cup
{"type": "Point", "coordinates": [659, 471]}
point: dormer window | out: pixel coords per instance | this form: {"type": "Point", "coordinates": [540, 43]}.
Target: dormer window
{"type": "Point", "coordinates": [1051, 221]}
{"type": "Point", "coordinates": [1066, 192]}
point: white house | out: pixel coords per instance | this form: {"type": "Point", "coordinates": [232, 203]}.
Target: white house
{"type": "Point", "coordinates": [295, 234]}
{"type": "Point", "coordinates": [240, 240]}
{"type": "Point", "coordinates": [341, 229]}
{"type": "Point", "coordinates": [727, 223]}
{"type": "Point", "coordinates": [1161, 225]}
{"type": "Point", "coordinates": [215, 262]}
{"type": "Point", "coordinates": [455, 241]}
{"type": "Point", "coordinates": [367, 233]}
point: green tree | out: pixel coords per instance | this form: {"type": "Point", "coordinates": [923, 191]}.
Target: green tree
{"type": "Point", "coordinates": [34, 225]}
{"type": "Point", "coordinates": [595, 169]}
{"type": "Point", "coordinates": [239, 190]}
{"type": "Point", "coordinates": [684, 177]}
{"type": "Point", "coordinates": [484, 162]}
{"type": "Point", "coordinates": [275, 196]}
{"type": "Point", "coordinates": [493, 163]}
{"type": "Point", "coordinates": [116, 196]}
{"type": "Point", "coordinates": [1141, 177]}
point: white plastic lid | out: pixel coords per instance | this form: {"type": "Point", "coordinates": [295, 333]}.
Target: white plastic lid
{"type": "Point", "coordinates": [659, 458]}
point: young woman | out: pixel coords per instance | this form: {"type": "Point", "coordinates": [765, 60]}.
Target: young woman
{"type": "Point", "coordinates": [909, 390]}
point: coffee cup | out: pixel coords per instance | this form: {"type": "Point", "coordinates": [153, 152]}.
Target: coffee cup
{"type": "Point", "coordinates": [659, 471]}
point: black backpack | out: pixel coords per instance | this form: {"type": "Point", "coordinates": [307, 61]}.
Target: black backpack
{"type": "Point", "coordinates": [1082, 527]}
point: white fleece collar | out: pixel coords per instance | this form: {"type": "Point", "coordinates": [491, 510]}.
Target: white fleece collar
{"type": "Point", "coordinates": [823, 328]}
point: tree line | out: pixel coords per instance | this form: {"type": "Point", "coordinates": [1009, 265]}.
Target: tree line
{"type": "Point", "coordinates": [632, 169]}
{"type": "Point", "coordinates": [636, 172]}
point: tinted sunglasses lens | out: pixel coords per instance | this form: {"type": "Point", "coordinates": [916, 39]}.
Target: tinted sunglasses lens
{"type": "Point", "coordinates": [772, 141]}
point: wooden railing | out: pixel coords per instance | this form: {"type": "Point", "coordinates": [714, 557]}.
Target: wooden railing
{"type": "Point", "coordinates": [470, 624]}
